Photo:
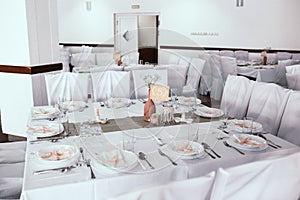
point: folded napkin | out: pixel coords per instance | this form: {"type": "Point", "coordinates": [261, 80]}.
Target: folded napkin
{"type": "Point", "coordinates": [247, 141]}
{"type": "Point", "coordinates": [114, 158]}
{"type": "Point", "coordinates": [12, 156]}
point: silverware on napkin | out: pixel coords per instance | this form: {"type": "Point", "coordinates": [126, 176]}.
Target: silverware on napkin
{"type": "Point", "coordinates": [165, 155]}
{"type": "Point", "coordinates": [59, 169]}
{"type": "Point", "coordinates": [230, 146]}
{"type": "Point", "coordinates": [207, 147]}
{"type": "Point", "coordinates": [270, 142]}
{"type": "Point", "coordinates": [143, 156]}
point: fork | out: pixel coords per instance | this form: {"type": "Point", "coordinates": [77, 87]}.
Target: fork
{"type": "Point", "coordinates": [88, 164]}
{"type": "Point", "coordinates": [163, 154]}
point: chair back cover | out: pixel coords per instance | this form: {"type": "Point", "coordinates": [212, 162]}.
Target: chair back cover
{"type": "Point", "coordinates": [141, 79]}
{"type": "Point", "coordinates": [206, 77]}
{"type": "Point", "coordinates": [67, 86]}
{"type": "Point", "coordinates": [259, 180]}
{"type": "Point", "coordinates": [293, 69]}
{"type": "Point", "coordinates": [236, 96]}
{"type": "Point", "coordinates": [217, 83]}
{"type": "Point", "coordinates": [110, 84]}
{"type": "Point", "coordinates": [267, 103]}
{"type": "Point", "coordinates": [242, 55]}
{"type": "Point", "coordinates": [293, 81]}
{"type": "Point", "coordinates": [192, 189]}
{"type": "Point", "coordinates": [289, 126]}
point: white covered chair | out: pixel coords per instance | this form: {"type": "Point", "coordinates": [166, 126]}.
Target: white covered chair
{"type": "Point", "coordinates": [269, 179]}
{"type": "Point", "coordinates": [192, 189]}
{"type": "Point", "coordinates": [241, 55]}
{"type": "Point", "coordinates": [267, 103]}
{"type": "Point", "coordinates": [84, 58]}
{"type": "Point", "coordinates": [194, 74]}
{"type": "Point", "coordinates": [229, 67]}
{"type": "Point", "coordinates": [176, 75]}
{"type": "Point", "coordinates": [228, 53]}
{"type": "Point", "coordinates": [217, 83]}
{"type": "Point", "coordinates": [130, 58]}
{"type": "Point", "coordinates": [284, 56]}
{"type": "Point", "coordinates": [110, 84]}
{"type": "Point", "coordinates": [293, 69]}
{"type": "Point", "coordinates": [206, 77]}
{"type": "Point", "coordinates": [289, 126]}
{"type": "Point", "coordinates": [293, 81]}
{"type": "Point", "coordinates": [236, 96]}
{"type": "Point", "coordinates": [140, 82]}
{"type": "Point", "coordinates": [104, 59]}
{"type": "Point", "coordinates": [67, 86]}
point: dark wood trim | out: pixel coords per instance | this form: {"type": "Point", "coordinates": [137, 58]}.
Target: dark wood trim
{"type": "Point", "coordinates": [189, 48]}
{"type": "Point", "coordinates": [31, 69]}
{"type": "Point", "coordinates": [91, 45]}
{"type": "Point", "coordinates": [222, 48]}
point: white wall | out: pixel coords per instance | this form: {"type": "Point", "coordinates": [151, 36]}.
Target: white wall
{"type": "Point", "coordinates": [259, 24]}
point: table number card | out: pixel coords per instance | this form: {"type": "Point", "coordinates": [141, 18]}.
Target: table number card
{"type": "Point", "coordinates": [159, 92]}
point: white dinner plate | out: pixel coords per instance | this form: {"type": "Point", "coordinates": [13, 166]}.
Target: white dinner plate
{"type": "Point", "coordinates": [73, 105]}
{"type": "Point", "coordinates": [45, 129]}
{"type": "Point", "coordinates": [237, 125]}
{"type": "Point", "coordinates": [186, 149]}
{"type": "Point", "coordinates": [117, 102]}
{"type": "Point", "coordinates": [209, 112]}
{"type": "Point", "coordinates": [248, 142]}
{"type": "Point", "coordinates": [116, 161]}
{"type": "Point", "coordinates": [44, 112]}
{"type": "Point", "coordinates": [57, 155]}
{"type": "Point", "coordinates": [188, 100]}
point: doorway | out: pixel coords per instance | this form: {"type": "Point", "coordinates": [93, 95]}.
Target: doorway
{"type": "Point", "coordinates": [137, 32]}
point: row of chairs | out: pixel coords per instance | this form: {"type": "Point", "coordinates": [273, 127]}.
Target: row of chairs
{"type": "Point", "coordinates": [270, 104]}
{"type": "Point", "coordinates": [76, 86]}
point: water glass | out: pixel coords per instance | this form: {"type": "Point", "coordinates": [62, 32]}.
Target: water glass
{"type": "Point", "coordinates": [248, 125]}
{"type": "Point", "coordinates": [193, 132]}
{"type": "Point", "coordinates": [128, 141]}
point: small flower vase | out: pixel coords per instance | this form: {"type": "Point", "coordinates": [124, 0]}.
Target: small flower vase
{"type": "Point", "coordinates": [264, 60]}
{"type": "Point", "coordinates": [149, 108]}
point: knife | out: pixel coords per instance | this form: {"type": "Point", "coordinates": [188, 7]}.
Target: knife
{"type": "Point", "coordinates": [59, 169]}
{"type": "Point", "coordinates": [207, 147]}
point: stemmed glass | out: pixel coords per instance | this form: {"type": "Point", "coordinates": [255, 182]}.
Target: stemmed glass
{"type": "Point", "coordinates": [63, 116]}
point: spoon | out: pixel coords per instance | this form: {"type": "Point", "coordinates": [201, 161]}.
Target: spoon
{"type": "Point", "coordinates": [143, 156]}
{"type": "Point", "coordinates": [228, 145]}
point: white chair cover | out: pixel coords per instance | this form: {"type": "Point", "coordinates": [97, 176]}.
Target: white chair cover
{"type": "Point", "coordinates": [296, 56]}
{"type": "Point", "coordinates": [85, 58]}
{"type": "Point", "coordinates": [67, 86]}
{"type": "Point", "coordinates": [283, 56]}
{"type": "Point", "coordinates": [289, 126]}
{"type": "Point", "coordinates": [267, 103]}
{"type": "Point", "coordinates": [12, 152]}
{"type": "Point", "coordinates": [229, 66]}
{"type": "Point", "coordinates": [104, 59]}
{"type": "Point", "coordinates": [241, 55]}
{"type": "Point", "coordinates": [194, 74]}
{"type": "Point", "coordinates": [293, 81]}
{"type": "Point", "coordinates": [131, 58]}
{"type": "Point", "coordinates": [10, 188]}
{"type": "Point", "coordinates": [206, 77]}
{"type": "Point", "coordinates": [236, 96]}
{"type": "Point", "coordinates": [192, 189]}
{"type": "Point", "coordinates": [176, 75]}
{"type": "Point", "coordinates": [217, 83]}
{"type": "Point", "coordinates": [141, 87]}
{"type": "Point", "coordinates": [228, 53]}
{"type": "Point", "coordinates": [269, 179]}
{"type": "Point", "coordinates": [110, 84]}
{"type": "Point", "coordinates": [293, 69]}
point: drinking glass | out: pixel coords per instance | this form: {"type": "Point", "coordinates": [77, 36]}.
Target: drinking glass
{"type": "Point", "coordinates": [128, 141]}
{"type": "Point", "coordinates": [248, 125]}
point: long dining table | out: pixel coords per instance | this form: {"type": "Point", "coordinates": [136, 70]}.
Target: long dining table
{"type": "Point", "coordinates": [94, 140]}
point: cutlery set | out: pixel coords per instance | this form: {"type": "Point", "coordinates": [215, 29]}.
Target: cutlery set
{"type": "Point", "coordinates": [208, 149]}
{"type": "Point", "coordinates": [270, 142]}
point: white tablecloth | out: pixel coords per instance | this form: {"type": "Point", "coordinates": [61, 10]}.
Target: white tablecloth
{"type": "Point", "coordinates": [76, 184]}
{"type": "Point", "coordinates": [262, 73]}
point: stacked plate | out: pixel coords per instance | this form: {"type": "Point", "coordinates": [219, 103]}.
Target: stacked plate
{"type": "Point", "coordinates": [117, 102]}
{"type": "Point", "coordinates": [248, 142]}
{"type": "Point", "coordinates": [188, 101]}
{"type": "Point", "coordinates": [209, 112]}
{"type": "Point", "coordinates": [186, 149]}
{"type": "Point", "coordinates": [115, 161]}
{"type": "Point", "coordinates": [58, 155]}
{"type": "Point", "coordinates": [244, 126]}
{"type": "Point", "coordinates": [44, 112]}
{"type": "Point", "coordinates": [44, 128]}
{"type": "Point", "coordinates": [73, 105]}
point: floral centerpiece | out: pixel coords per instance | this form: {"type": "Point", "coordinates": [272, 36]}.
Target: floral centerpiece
{"type": "Point", "coordinates": [151, 79]}
{"type": "Point", "coordinates": [264, 57]}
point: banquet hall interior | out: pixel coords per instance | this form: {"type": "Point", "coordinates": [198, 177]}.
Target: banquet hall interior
{"type": "Point", "coordinates": [135, 99]}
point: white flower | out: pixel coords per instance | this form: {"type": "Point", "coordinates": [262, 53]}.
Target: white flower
{"type": "Point", "coordinates": [151, 79]}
